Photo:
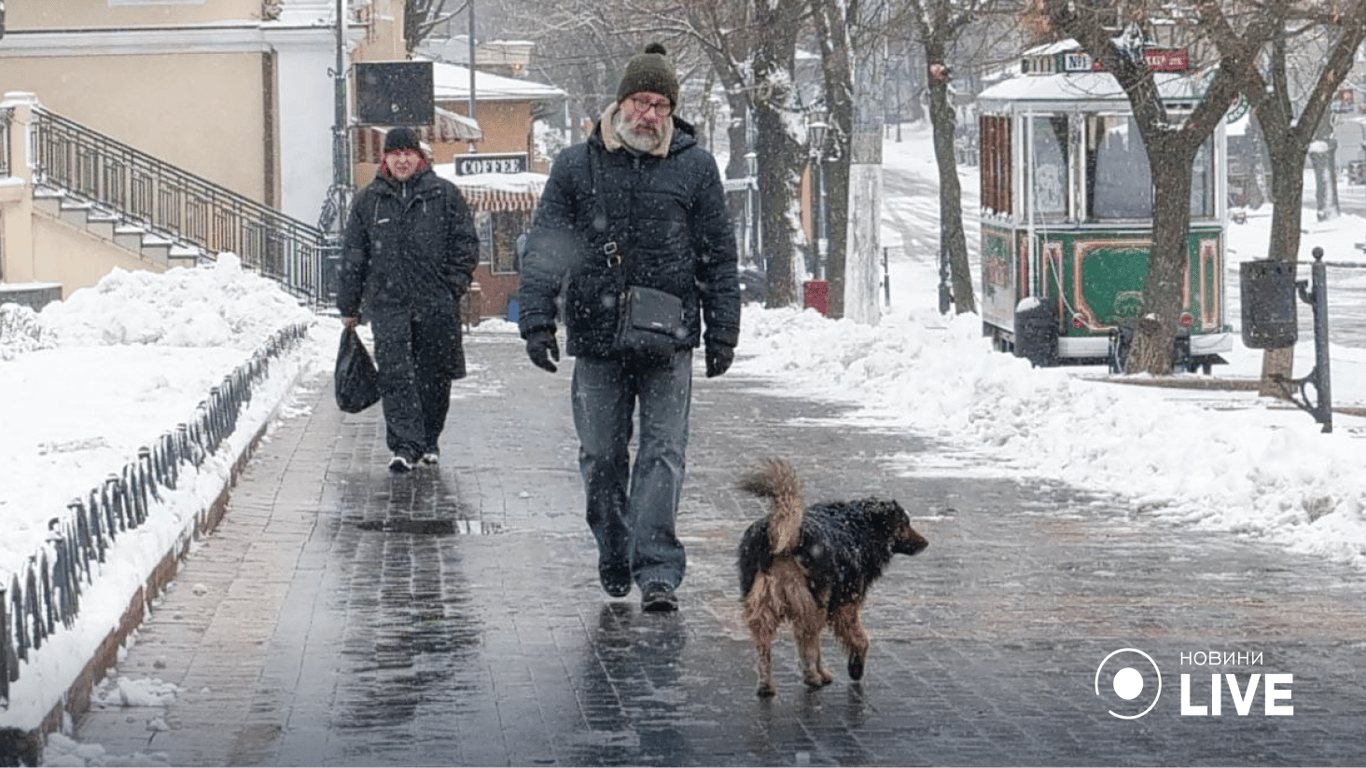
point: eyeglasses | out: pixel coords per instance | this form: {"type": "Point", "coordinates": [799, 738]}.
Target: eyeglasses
{"type": "Point", "coordinates": [642, 106]}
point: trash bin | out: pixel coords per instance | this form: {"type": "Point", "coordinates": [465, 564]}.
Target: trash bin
{"type": "Point", "coordinates": [1036, 332]}
{"type": "Point", "coordinates": [1269, 319]}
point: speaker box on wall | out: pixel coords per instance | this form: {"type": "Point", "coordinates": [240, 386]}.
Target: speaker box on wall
{"type": "Point", "coordinates": [395, 93]}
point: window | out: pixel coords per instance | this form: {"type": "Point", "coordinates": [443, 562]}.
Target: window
{"type": "Point", "coordinates": [995, 165]}
{"type": "Point", "coordinates": [1049, 178]}
{"type": "Point", "coordinates": [483, 225]}
{"type": "Point", "coordinates": [1202, 183]}
{"type": "Point", "coordinates": [507, 225]}
{"type": "Point", "coordinates": [1118, 181]}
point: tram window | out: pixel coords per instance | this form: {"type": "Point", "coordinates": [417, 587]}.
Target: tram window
{"type": "Point", "coordinates": [1048, 173]}
{"type": "Point", "coordinates": [1118, 180]}
{"type": "Point", "coordinates": [1202, 183]}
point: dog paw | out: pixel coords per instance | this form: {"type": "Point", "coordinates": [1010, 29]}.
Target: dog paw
{"type": "Point", "coordinates": [856, 667]}
{"type": "Point", "coordinates": [765, 691]}
{"type": "Point", "coordinates": [818, 680]}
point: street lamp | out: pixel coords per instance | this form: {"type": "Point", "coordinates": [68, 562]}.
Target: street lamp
{"type": "Point", "coordinates": [815, 131]}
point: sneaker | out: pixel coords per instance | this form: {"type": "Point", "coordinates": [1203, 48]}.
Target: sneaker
{"type": "Point", "coordinates": [431, 458]}
{"type": "Point", "coordinates": [658, 597]}
{"type": "Point", "coordinates": [400, 463]}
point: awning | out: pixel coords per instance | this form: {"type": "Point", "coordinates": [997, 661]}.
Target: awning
{"type": "Point", "coordinates": [449, 128]}
{"type": "Point", "coordinates": [495, 192]}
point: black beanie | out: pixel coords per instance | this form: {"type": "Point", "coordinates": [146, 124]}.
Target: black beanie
{"type": "Point", "coordinates": [402, 138]}
{"type": "Point", "coordinates": [649, 71]}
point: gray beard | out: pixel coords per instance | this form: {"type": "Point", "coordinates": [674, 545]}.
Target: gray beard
{"type": "Point", "coordinates": [635, 141]}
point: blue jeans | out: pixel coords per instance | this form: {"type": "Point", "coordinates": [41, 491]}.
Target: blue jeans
{"type": "Point", "coordinates": [631, 509]}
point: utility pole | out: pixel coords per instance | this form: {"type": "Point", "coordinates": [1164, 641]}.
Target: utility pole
{"type": "Point", "coordinates": [470, 108]}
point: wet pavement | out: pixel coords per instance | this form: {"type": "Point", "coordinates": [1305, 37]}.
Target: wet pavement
{"type": "Point", "coordinates": [342, 615]}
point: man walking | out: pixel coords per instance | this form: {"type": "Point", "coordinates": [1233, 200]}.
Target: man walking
{"type": "Point", "coordinates": [639, 204]}
{"type": "Point", "coordinates": [409, 254]}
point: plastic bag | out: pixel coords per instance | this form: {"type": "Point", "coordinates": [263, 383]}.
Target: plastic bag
{"type": "Point", "coordinates": [355, 379]}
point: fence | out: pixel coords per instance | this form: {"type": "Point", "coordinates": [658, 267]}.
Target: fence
{"type": "Point", "coordinates": [46, 594]}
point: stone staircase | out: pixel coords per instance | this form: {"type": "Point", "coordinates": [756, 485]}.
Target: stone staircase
{"type": "Point", "coordinates": [114, 228]}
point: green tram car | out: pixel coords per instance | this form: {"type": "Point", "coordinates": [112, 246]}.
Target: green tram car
{"type": "Point", "coordinates": [1067, 215]}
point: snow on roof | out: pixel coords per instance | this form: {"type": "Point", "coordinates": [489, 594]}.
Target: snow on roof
{"type": "Point", "coordinates": [452, 82]}
{"type": "Point", "coordinates": [1073, 87]}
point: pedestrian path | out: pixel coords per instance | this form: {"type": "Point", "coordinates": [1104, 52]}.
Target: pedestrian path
{"type": "Point", "coordinates": [342, 615]}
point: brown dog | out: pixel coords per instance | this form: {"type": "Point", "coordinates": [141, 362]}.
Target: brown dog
{"type": "Point", "coordinates": [814, 568]}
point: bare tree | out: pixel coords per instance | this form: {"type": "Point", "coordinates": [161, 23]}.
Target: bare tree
{"type": "Point", "coordinates": [780, 151]}
{"type": "Point", "coordinates": [421, 17]}
{"type": "Point", "coordinates": [937, 25]}
{"type": "Point", "coordinates": [837, 72]}
{"type": "Point", "coordinates": [1171, 143]}
{"type": "Point", "coordinates": [1288, 134]}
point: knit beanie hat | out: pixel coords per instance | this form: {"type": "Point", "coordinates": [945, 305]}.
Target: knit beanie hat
{"type": "Point", "coordinates": [402, 138]}
{"type": "Point", "coordinates": [649, 71]}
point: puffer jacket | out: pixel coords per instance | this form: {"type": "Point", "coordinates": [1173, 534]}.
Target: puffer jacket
{"type": "Point", "coordinates": [409, 246]}
{"type": "Point", "coordinates": [668, 216]}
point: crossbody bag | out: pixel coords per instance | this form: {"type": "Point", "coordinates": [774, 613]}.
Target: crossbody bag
{"type": "Point", "coordinates": [649, 321]}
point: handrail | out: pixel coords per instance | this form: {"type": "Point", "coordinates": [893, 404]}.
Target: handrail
{"type": "Point", "coordinates": [174, 204]}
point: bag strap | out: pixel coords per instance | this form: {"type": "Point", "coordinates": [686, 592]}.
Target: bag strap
{"type": "Point", "coordinates": [610, 250]}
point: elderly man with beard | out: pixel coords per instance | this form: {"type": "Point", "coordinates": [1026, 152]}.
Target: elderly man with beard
{"type": "Point", "coordinates": [639, 203]}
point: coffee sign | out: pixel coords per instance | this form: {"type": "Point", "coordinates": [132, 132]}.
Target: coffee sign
{"type": "Point", "coordinates": [470, 165]}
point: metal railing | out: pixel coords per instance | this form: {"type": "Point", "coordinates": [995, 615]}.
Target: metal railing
{"type": "Point", "coordinates": [46, 594]}
{"type": "Point", "coordinates": [175, 204]}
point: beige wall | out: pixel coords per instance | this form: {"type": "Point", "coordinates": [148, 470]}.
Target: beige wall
{"type": "Point", "coordinates": [506, 126]}
{"type": "Point", "coordinates": [75, 258]}
{"type": "Point", "coordinates": [97, 14]}
{"type": "Point", "coordinates": [205, 113]}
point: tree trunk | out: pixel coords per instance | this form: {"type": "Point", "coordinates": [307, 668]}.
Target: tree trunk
{"type": "Point", "coordinates": [863, 253]}
{"type": "Point", "coordinates": [1162, 293]}
{"type": "Point", "coordinates": [953, 243]}
{"type": "Point", "coordinates": [837, 70]}
{"type": "Point", "coordinates": [780, 154]}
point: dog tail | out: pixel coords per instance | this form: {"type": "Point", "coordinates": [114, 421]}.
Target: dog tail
{"type": "Point", "coordinates": [777, 481]}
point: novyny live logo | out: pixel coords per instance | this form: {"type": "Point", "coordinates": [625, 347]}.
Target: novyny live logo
{"type": "Point", "coordinates": [1131, 682]}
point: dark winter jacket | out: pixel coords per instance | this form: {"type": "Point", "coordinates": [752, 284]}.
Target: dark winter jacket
{"type": "Point", "coordinates": [668, 216]}
{"type": "Point", "coordinates": [409, 247]}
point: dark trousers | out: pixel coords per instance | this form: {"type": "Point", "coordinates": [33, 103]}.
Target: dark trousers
{"type": "Point", "coordinates": [631, 509]}
{"type": "Point", "coordinates": [411, 355]}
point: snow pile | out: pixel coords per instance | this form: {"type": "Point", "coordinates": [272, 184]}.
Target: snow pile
{"type": "Point", "coordinates": [221, 305]}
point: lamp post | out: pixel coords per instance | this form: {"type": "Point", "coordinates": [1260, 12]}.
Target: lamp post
{"type": "Point", "coordinates": [815, 131]}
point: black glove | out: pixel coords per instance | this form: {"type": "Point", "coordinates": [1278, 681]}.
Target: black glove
{"type": "Point", "coordinates": [541, 347]}
{"type": "Point", "coordinates": [719, 358]}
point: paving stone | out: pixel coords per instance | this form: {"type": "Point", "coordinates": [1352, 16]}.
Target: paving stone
{"type": "Point", "coordinates": [342, 615]}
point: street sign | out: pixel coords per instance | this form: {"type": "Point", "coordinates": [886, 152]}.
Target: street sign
{"type": "Point", "coordinates": [1159, 60]}
{"type": "Point", "coordinates": [509, 162]}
